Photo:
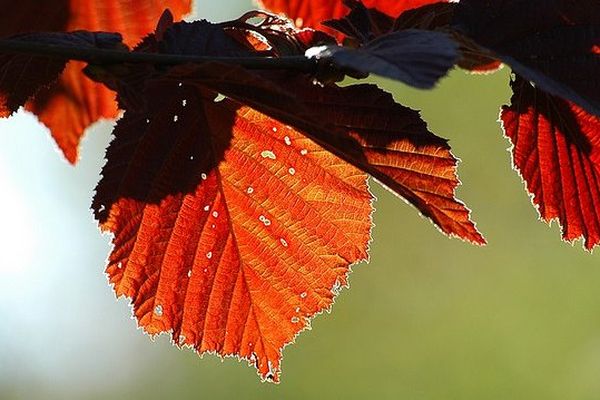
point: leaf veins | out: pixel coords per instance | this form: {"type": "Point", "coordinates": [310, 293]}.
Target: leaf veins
{"type": "Point", "coordinates": [556, 148]}
{"type": "Point", "coordinates": [236, 220]}
{"type": "Point", "coordinates": [231, 229]}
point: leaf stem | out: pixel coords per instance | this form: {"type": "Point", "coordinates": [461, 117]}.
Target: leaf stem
{"type": "Point", "coordinates": [95, 55]}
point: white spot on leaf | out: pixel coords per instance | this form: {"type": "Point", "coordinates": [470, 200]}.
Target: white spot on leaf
{"type": "Point", "coordinates": [287, 140]}
{"type": "Point", "coordinates": [158, 311]}
{"type": "Point", "coordinates": [209, 255]}
{"type": "Point", "coordinates": [264, 220]}
{"type": "Point", "coordinates": [268, 154]}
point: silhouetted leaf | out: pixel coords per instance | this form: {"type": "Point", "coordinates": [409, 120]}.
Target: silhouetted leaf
{"type": "Point", "coordinates": [23, 75]}
{"type": "Point", "coordinates": [362, 25]}
{"type": "Point", "coordinates": [549, 42]}
{"type": "Point", "coordinates": [416, 57]}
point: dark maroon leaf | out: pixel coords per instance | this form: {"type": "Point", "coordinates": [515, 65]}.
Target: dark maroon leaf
{"type": "Point", "coordinates": [416, 57]}
{"type": "Point", "coordinates": [361, 24]}
{"type": "Point", "coordinates": [549, 42]}
{"type": "Point", "coordinates": [23, 75]}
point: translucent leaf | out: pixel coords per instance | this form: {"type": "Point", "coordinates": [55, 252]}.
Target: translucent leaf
{"type": "Point", "coordinates": [556, 149]}
{"type": "Point", "coordinates": [232, 230]}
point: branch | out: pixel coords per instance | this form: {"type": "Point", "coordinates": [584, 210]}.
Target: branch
{"type": "Point", "coordinates": [94, 55]}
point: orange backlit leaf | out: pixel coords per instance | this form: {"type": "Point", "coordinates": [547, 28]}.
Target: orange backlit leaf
{"type": "Point", "coordinates": [232, 230]}
{"type": "Point", "coordinates": [236, 219]}
{"type": "Point", "coordinates": [75, 102]}
{"type": "Point", "coordinates": [556, 149]}
{"type": "Point", "coordinates": [363, 125]}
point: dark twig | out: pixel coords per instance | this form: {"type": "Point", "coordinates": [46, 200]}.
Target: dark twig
{"type": "Point", "coordinates": [94, 55]}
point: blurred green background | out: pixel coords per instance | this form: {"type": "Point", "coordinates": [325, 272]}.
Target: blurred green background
{"type": "Point", "coordinates": [428, 318]}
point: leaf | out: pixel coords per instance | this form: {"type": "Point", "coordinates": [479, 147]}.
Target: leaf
{"type": "Point", "coordinates": [262, 195]}
{"type": "Point", "coordinates": [556, 149]}
{"type": "Point", "coordinates": [312, 13]}
{"type": "Point", "coordinates": [232, 230]}
{"type": "Point", "coordinates": [75, 102]}
{"type": "Point", "coordinates": [23, 75]}
{"type": "Point", "coordinates": [363, 25]}
{"type": "Point", "coordinates": [416, 57]}
{"type": "Point", "coordinates": [364, 126]}
{"type": "Point", "coordinates": [549, 42]}
{"type": "Point", "coordinates": [361, 124]}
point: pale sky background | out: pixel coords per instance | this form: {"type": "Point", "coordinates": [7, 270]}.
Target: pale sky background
{"type": "Point", "coordinates": [60, 320]}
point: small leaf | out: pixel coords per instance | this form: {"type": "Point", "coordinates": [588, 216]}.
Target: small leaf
{"type": "Point", "coordinates": [556, 149]}
{"type": "Point", "coordinates": [416, 57]}
{"type": "Point", "coordinates": [363, 25]}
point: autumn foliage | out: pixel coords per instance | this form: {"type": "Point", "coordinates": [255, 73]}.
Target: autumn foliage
{"type": "Point", "coordinates": [236, 182]}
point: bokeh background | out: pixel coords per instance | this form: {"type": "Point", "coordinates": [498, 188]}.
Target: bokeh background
{"type": "Point", "coordinates": [428, 318]}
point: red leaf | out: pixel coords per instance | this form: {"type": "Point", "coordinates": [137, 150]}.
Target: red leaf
{"type": "Point", "coordinates": [313, 12]}
{"type": "Point", "coordinates": [364, 126]}
{"type": "Point", "coordinates": [268, 218]}
{"type": "Point", "coordinates": [232, 230]}
{"type": "Point", "coordinates": [556, 149]}
{"type": "Point", "coordinates": [76, 102]}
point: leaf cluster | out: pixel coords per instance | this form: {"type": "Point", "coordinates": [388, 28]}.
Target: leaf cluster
{"type": "Point", "coordinates": [236, 182]}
